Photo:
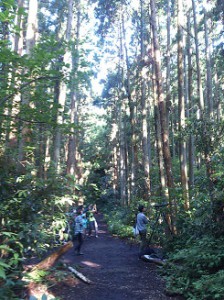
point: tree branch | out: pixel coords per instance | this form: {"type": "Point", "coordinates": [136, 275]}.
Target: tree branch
{"type": "Point", "coordinates": [25, 85]}
{"type": "Point", "coordinates": [23, 120]}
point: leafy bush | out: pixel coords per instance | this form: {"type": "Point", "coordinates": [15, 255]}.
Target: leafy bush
{"type": "Point", "coordinates": [196, 271]}
{"type": "Point", "coordinates": [32, 219]}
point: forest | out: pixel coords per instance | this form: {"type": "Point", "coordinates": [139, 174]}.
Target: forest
{"type": "Point", "coordinates": [114, 102]}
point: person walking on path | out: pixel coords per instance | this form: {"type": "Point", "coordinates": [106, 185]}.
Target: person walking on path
{"type": "Point", "coordinates": [141, 224]}
{"type": "Point", "coordinates": [79, 228]}
{"type": "Point", "coordinates": [92, 223]}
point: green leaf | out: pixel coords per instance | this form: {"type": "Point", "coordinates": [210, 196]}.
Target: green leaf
{"type": "Point", "coordinates": [2, 273]}
{"type": "Point", "coordinates": [2, 264]}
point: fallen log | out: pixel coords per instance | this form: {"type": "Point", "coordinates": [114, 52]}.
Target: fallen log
{"type": "Point", "coordinates": [49, 261]}
{"type": "Point", "coordinates": [79, 275]}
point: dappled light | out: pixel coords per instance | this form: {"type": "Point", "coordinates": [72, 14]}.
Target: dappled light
{"type": "Point", "coordinates": [90, 264]}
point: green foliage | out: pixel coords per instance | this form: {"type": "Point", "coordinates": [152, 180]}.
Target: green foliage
{"type": "Point", "coordinates": [32, 219]}
{"type": "Point", "coordinates": [118, 223]}
{"type": "Point", "coordinates": [196, 271]}
{"type": "Point", "coordinates": [37, 276]}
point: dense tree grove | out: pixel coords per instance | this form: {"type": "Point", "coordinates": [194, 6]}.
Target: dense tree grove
{"type": "Point", "coordinates": [114, 102]}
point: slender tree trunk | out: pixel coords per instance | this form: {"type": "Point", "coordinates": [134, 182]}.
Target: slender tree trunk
{"type": "Point", "coordinates": [122, 156]}
{"type": "Point", "coordinates": [190, 104]}
{"type": "Point", "coordinates": [199, 80]}
{"type": "Point", "coordinates": [159, 148]}
{"type": "Point", "coordinates": [183, 146]}
{"type": "Point", "coordinates": [114, 141]}
{"type": "Point", "coordinates": [62, 93]}
{"type": "Point", "coordinates": [162, 112]}
{"type": "Point", "coordinates": [145, 157]}
{"type": "Point", "coordinates": [168, 93]}
{"type": "Point", "coordinates": [131, 105]}
{"type": "Point", "coordinates": [32, 26]}
{"type": "Point", "coordinates": [122, 140]}
{"type": "Point", "coordinates": [13, 110]}
{"type": "Point", "coordinates": [72, 163]}
{"type": "Point", "coordinates": [160, 96]}
{"type": "Point", "coordinates": [31, 39]}
{"type": "Point", "coordinates": [208, 45]}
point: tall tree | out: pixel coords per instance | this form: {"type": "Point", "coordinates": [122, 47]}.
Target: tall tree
{"type": "Point", "coordinates": [145, 152]}
{"type": "Point", "coordinates": [72, 144]}
{"type": "Point", "coordinates": [62, 91]}
{"type": "Point", "coordinates": [181, 100]}
{"type": "Point", "coordinates": [132, 109]}
{"type": "Point", "coordinates": [208, 51]}
{"type": "Point", "coordinates": [31, 39]}
{"type": "Point", "coordinates": [190, 107]}
{"type": "Point", "coordinates": [198, 67]}
{"type": "Point", "coordinates": [162, 107]}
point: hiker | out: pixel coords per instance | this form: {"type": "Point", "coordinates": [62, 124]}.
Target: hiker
{"type": "Point", "coordinates": [141, 224]}
{"type": "Point", "coordinates": [92, 223]}
{"type": "Point", "coordinates": [79, 227]}
{"type": "Point", "coordinates": [85, 223]}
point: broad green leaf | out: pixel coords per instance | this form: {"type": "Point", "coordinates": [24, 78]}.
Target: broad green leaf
{"type": "Point", "coordinates": [2, 273]}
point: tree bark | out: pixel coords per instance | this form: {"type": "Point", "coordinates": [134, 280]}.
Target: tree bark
{"type": "Point", "coordinates": [62, 93]}
{"type": "Point", "coordinates": [72, 162]}
{"type": "Point", "coordinates": [208, 50]}
{"type": "Point", "coordinates": [145, 153]}
{"type": "Point", "coordinates": [52, 258]}
{"type": "Point", "coordinates": [199, 80]}
{"type": "Point", "coordinates": [181, 101]}
{"type": "Point", "coordinates": [162, 112]}
{"type": "Point", "coordinates": [131, 105]}
{"type": "Point", "coordinates": [161, 103]}
{"type": "Point", "coordinates": [190, 110]}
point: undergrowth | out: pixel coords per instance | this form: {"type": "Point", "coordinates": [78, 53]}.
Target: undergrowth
{"type": "Point", "coordinates": [196, 271]}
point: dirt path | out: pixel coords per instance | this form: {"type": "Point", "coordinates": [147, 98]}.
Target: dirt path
{"type": "Point", "coordinates": [115, 270]}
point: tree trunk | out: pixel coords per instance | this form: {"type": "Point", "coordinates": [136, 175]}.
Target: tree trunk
{"type": "Point", "coordinates": [32, 26]}
{"type": "Point", "coordinates": [168, 93]}
{"type": "Point", "coordinates": [162, 112]}
{"type": "Point", "coordinates": [52, 258]}
{"type": "Point", "coordinates": [131, 104]}
{"type": "Point", "coordinates": [181, 101]}
{"type": "Point", "coordinates": [199, 80]}
{"type": "Point", "coordinates": [31, 39]}
{"type": "Point", "coordinates": [145, 156]}
{"type": "Point", "coordinates": [190, 104]}
{"type": "Point", "coordinates": [62, 93]}
{"type": "Point", "coordinates": [162, 177]}
{"type": "Point", "coordinates": [160, 96]}
{"type": "Point", "coordinates": [208, 51]}
{"type": "Point", "coordinates": [123, 178]}
{"type": "Point", "coordinates": [72, 163]}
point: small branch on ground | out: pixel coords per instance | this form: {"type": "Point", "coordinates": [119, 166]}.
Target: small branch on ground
{"type": "Point", "coordinates": [78, 274]}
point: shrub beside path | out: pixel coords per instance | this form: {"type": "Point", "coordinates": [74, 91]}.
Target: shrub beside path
{"type": "Point", "coordinates": [114, 269]}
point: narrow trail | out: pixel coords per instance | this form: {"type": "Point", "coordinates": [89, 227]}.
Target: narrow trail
{"type": "Point", "coordinates": [114, 269]}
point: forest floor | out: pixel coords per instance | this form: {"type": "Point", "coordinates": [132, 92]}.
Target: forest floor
{"type": "Point", "coordinates": [112, 266]}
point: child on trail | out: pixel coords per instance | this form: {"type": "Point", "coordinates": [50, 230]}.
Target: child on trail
{"type": "Point", "coordinates": [79, 228]}
{"type": "Point", "coordinates": [92, 223]}
{"type": "Point", "coordinates": [141, 224]}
